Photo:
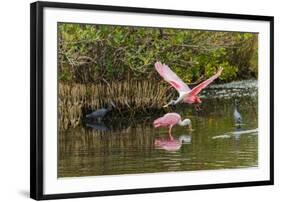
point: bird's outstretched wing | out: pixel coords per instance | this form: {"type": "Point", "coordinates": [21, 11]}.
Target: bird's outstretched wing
{"type": "Point", "coordinates": [169, 76]}
{"type": "Point", "coordinates": [197, 89]}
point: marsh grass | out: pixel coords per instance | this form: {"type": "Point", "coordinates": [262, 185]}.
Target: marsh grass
{"type": "Point", "coordinates": [130, 97]}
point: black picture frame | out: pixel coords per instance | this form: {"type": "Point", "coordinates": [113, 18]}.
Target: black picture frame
{"type": "Point", "coordinates": [37, 101]}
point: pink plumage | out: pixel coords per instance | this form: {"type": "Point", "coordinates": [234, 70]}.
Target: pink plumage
{"type": "Point", "coordinates": [168, 120]}
{"type": "Point", "coordinates": [168, 144]}
{"type": "Point", "coordinates": [169, 76]}
{"type": "Point", "coordinates": [186, 94]}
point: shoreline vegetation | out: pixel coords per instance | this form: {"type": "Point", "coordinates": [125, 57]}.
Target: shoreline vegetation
{"type": "Point", "coordinates": [102, 63]}
{"type": "Point", "coordinates": [130, 99]}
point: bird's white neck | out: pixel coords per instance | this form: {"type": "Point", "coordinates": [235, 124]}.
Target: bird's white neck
{"type": "Point", "coordinates": [185, 122]}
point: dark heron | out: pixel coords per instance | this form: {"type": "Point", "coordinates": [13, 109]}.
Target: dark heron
{"type": "Point", "coordinates": [236, 115]}
{"type": "Point", "coordinates": [100, 113]}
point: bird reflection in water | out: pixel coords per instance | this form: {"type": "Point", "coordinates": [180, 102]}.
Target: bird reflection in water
{"type": "Point", "coordinates": [99, 126]}
{"type": "Point", "coordinates": [172, 144]}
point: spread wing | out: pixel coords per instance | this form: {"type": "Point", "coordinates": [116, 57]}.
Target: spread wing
{"type": "Point", "coordinates": [169, 76]}
{"type": "Point", "coordinates": [197, 89]}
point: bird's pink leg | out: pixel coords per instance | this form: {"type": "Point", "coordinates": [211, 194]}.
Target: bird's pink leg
{"type": "Point", "coordinates": [197, 107]}
{"type": "Point", "coordinates": [170, 133]}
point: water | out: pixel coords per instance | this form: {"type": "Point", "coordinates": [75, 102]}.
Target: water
{"type": "Point", "coordinates": [132, 146]}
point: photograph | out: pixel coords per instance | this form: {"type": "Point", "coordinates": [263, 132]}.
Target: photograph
{"type": "Point", "coordinates": [141, 99]}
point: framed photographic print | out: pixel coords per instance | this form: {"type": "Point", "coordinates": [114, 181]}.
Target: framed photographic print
{"type": "Point", "coordinates": [136, 100]}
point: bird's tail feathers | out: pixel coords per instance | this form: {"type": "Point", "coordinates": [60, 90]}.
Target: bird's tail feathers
{"type": "Point", "coordinates": [156, 123]}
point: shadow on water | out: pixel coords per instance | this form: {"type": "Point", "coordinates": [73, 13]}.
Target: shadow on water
{"type": "Point", "coordinates": [119, 146]}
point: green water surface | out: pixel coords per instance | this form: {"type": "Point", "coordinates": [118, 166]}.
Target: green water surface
{"type": "Point", "coordinates": [122, 146]}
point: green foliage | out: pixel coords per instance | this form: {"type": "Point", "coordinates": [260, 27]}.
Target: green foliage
{"type": "Point", "coordinates": [98, 53]}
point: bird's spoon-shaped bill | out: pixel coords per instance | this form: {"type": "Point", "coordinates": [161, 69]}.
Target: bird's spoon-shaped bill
{"type": "Point", "coordinates": [190, 128]}
{"type": "Point", "coordinates": [171, 102]}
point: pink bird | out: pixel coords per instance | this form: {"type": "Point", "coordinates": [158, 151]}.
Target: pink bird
{"type": "Point", "coordinates": [172, 145]}
{"type": "Point", "coordinates": [186, 94]}
{"type": "Point", "coordinates": [167, 144]}
{"type": "Point", "coordinates": [169, 120]}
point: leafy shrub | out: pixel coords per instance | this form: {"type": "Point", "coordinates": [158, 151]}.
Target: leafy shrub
{"type": "Point", "coordinates": [103, 53]}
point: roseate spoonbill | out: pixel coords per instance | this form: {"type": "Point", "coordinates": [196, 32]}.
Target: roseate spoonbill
{"type": "Point", "coordinates": [167, 144]}
{"type": "Point", "coordinates": [169, 120]}
{"type": "Point", "coordinates": [172, 145]}
{"type": "Point", "coordinates": [236, 115]}
{"type": "Point", "coordinates": [186, 94]}
{"type": "Point", "coordinates": [100, 113]}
